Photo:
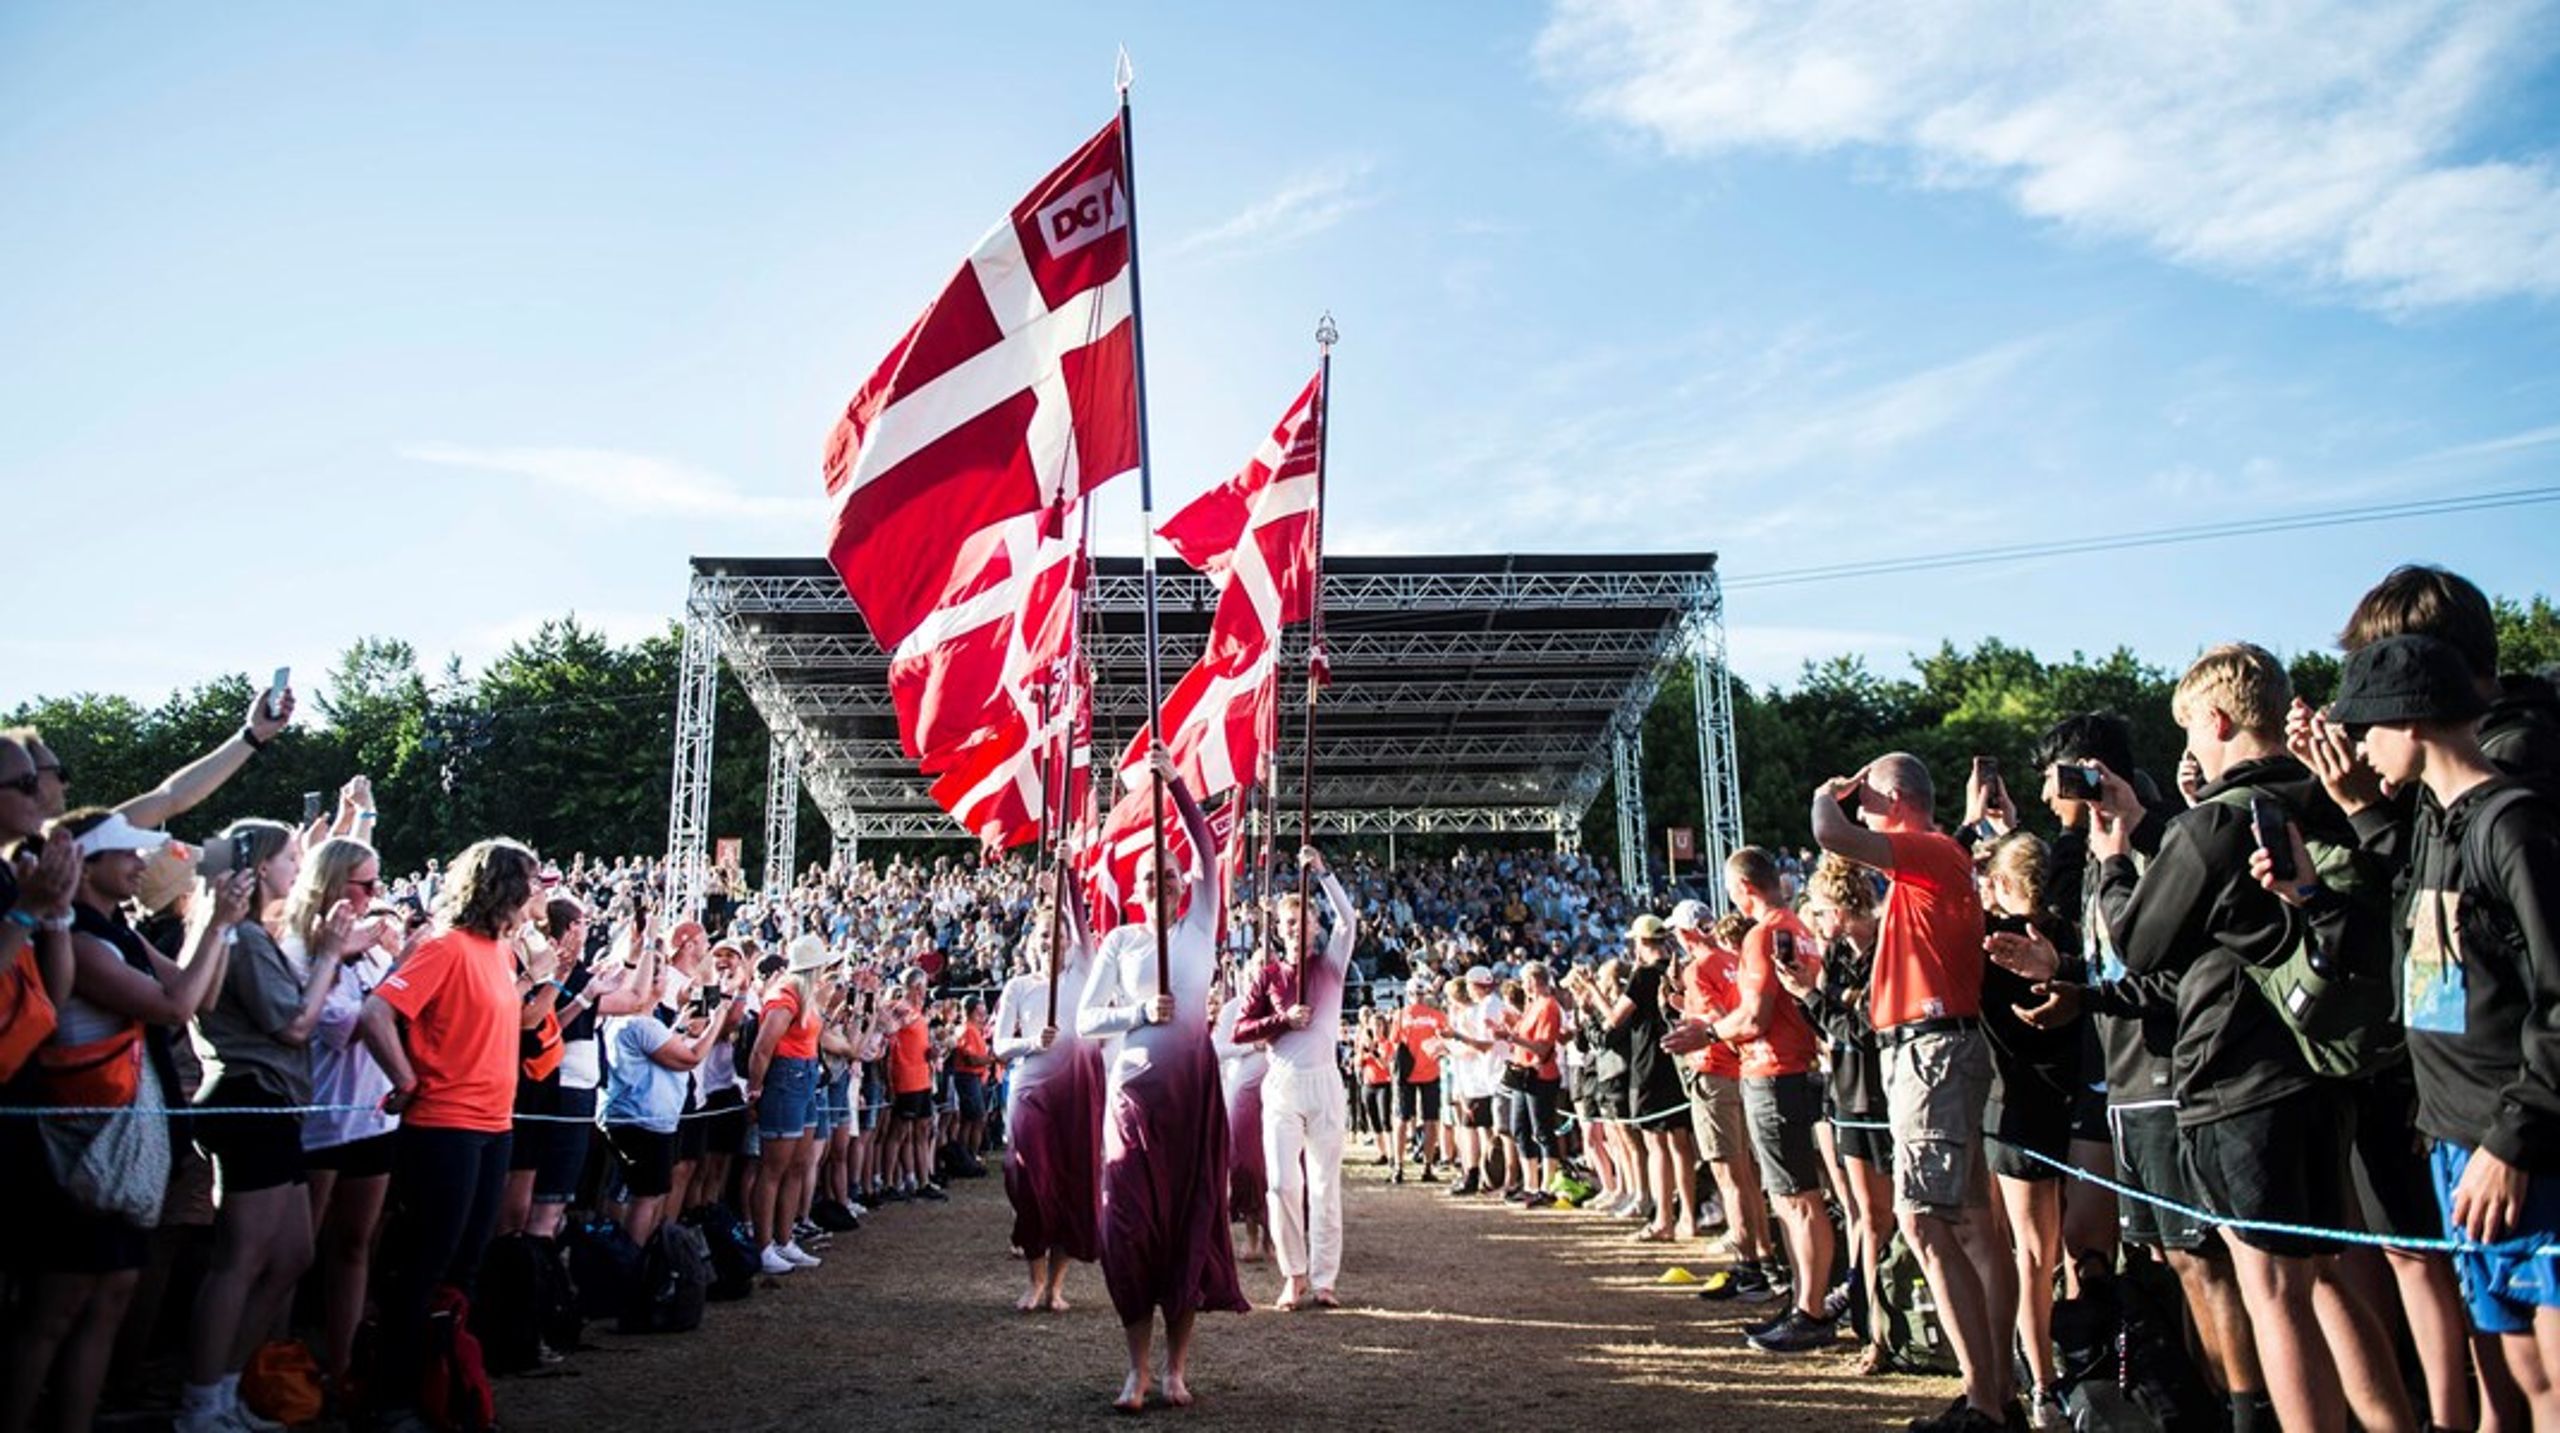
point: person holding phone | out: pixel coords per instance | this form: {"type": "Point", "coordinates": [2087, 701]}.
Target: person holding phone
{"type": "Point", "coordinates": [444, 1024]}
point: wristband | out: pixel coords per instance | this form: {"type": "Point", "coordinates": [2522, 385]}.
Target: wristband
{"type": "Point", "coordinates": [25, 919]}
{"type": "Point", "coordinates": [364, 815]}
{"type": "Point", "coordinates": [58, 923]}
{"type": "Point", "coordinates": [249, 734]}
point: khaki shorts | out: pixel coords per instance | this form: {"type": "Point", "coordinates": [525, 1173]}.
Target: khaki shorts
{"type": "Point", "coordinates": [1716, 1117]}
{"type": "Point", "coordinates": [1934, 1088]}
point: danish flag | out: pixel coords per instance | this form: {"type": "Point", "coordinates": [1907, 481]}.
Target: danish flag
{"type": "Point", "coordinates": [1255, 536]}
{"type": "Point", "coordinates": [1013, 394]}
{"type": "Point", "coordinates": [1112, 878]}
{"type": "Point", "coordinates": [972, 664]}
{"type": "Point", "coordinates": [994, 787]}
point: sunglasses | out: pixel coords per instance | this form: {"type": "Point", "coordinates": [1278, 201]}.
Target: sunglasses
{"type": "Point", "coordinates": [368, 887]}
{"type": "Point", "coordinates": [60, 772]}
{"type": "Point", "coordinates": [27, 785]}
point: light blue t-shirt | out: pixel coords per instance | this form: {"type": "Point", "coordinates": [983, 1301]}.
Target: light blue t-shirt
{"type": "Point", "coordinates": [641, 1091]}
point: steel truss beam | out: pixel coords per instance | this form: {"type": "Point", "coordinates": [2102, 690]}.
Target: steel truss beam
{"type": "Point", "coordinates": [1719, 772]}
{"type": "Point", "coordinates": [781, 814]}
{"type": "Point", "coordinates": [747, 595]}
{"type": "Point", "coordinates": [689, 795]}
{"type": "Point", "coordinates": [827, 651]}
{"type": "Point", "coordinates": [871, 699]}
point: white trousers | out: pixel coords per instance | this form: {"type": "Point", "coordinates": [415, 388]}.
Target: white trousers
{"type": "Point", "coordinates": [1302, 1127]}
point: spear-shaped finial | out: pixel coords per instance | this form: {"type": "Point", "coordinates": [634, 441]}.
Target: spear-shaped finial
{"type": "Point", "coordinates": [1326, 334]}
{"type": "Point", "coordinates": [1124, 74]}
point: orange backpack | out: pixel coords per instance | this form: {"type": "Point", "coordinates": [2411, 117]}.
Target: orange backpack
{"type": "Point", "coordinates": [27, 1016]}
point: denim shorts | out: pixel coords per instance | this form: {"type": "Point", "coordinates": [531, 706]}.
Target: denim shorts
{"type": "Point", "coordinates": [790, 1090]}
{"type": "Point", "coordinates": [2503, 1283]}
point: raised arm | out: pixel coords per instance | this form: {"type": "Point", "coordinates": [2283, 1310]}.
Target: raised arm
{"type": "Point", "coordinates": [187, 787]}
{"type": "Point", "coordinates": [1835, 830]}
{"type": "Point", "coordinates": [1200, 919]}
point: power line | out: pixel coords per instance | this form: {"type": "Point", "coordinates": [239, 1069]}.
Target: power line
{"type": "Point", "coordinates": [2156, 537]}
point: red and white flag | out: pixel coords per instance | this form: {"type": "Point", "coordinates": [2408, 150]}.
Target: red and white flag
{"type": "Point", "coordinates": [1014, 393]}
{"type": "Point", "coordinates": [1111, 877]}
{"type": "Point", "coordinates": [995, 786]}
{"type": "Point", "coordinates": [978, 660]}
{"type": "Point", "coordinates": [1255, 536]}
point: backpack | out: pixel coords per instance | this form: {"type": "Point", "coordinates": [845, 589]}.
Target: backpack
{"type": "Point", "coordinates": [1912, 1333]}
{"type": "Point", "coordinates": [2346, 1020]}
{"type": "Point", "coordinates": [455, 1395]}
{"type": "Point", "coordinates": [735, 1258]}
{"type": "Point", "coordinates": [27, 1016]}
{"type": "Point", "coordinates": [675, 1279]}
{"type": "Point", "coordinates": [604, 1267]}
{"type": "Point", "coordinates": [2121, 1351]}
{"type": "Point", "coordinates": [527, 1300]}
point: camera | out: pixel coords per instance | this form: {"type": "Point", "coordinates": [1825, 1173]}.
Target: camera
{"type": "Point", "coordinates": [2079, 783]}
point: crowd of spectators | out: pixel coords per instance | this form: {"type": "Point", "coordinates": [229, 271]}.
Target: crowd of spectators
{"type": "Point", "coordinates": [274, 1112]}
{"type": "Point", "coordinates": [2299, 999]}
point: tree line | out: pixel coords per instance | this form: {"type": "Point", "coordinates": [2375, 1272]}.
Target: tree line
{"type": "Point", "coordinates": [566, 738]}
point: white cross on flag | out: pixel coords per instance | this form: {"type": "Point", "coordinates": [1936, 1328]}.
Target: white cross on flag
{"type": "Point", "coordinates": [993, 786]}
{"type": "Point", "coordinates": [1004, 629]}
{"type": "Point", "coordinates": [1014, 393]}
{"type": "Point", "coordinates": [1255, 536]}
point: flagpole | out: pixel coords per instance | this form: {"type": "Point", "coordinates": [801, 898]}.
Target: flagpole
{"type": "Point", "coordinates": [1147, 531]}
{"type": "Point", "coordinates": [1326, 336]}
{"type": "Point", "coordinates": [1070, 670]}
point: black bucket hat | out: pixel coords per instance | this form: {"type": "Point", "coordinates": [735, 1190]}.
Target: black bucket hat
{"type": "Point", "coordinates": [2407, 678]}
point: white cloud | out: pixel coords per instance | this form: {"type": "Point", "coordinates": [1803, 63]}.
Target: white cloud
{"type": "Point", "coordinates": [2324, 141]}
{"type": "Point", "coordinates": [1306, 205]}
{"type": "Point", "coordinates": [2494, 447]}
{"type": "Point", "coordinates": [632, 484]}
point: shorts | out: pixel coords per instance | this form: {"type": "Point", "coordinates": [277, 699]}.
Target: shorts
{"type": "Point", "coordinates": [646, 1157]}
{"type": "Point", "coordinates": [782, 1110]}
{"type": "Point", "coordinates": [2284, 1163]}
{"type": "Point", "coordinates": [1783, 1112]}
{"type": "Point", "coordinates": [564, 1147]}
{"type": "Point", "coordinates": [913, 1107]}
{"type": "Point", "coordinates": [2503, 1283]}
{"type": "Point", "coordinates": [2016, 1131]}
{"type": "Point", "coordinates": [1476, 1112]}
{"type": "Point", "coordinates": [834, 1105]}
{"type": "Point", "coordinates": [1533, 1118]}
{"type": "Point", "coordinates": [1716, 1117]}
{"type": "Point", "coordinates": [531, 1135]}
{"type": "Point", "coordinates": [1418, 1101]}
{"type": "Point", "coordinates": [357, 1158]}
{"type": "Point", "coordinates": [723, 1122]}
{"type": "Point", "coordinates": [1934, 1088]}
{"type": "Point", "coordinates": [692, 1139]}
{"type": "Point", "coordinates": [1864, 1138]}
{"type": "Point", "coordinates": [2089, 1114]}
{"type": "Point", "coordinates": [2390, 1160]}
{"type": "Point", "coordinates": [250, 1152]}
{"type": "Point", "coordinates": [2148, 1159]}
{"type": "Point", "coordinates": [874, 1101]}
{"type": "Point", "coordinates": [972, 1090]}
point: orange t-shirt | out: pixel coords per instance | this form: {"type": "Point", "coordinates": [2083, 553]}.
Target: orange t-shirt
{"type": "Point", "coordinates": [969, 1055]}
{"type": "Point", "coordinates": [1374, 1069]}
{"type": "Point", "coordinates": [1786, 1044]}
{"type": "Point", "coordinates": [909, 1071]}
{"type": "Point", "coordinates": [1929, 944]}
{"type": "Point", "coordinates": [1543, 1020]}
{"type": "Point", "coordinates": [799, 1034]}
{"type": "Point", "coordinates": [458, 993]}
{"type": "Point", "coordinates": [1708, 992]}
{"type": "Point", "coordinates": [1419, 1029]}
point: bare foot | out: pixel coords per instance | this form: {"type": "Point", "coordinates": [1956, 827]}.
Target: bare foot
{"type": "Point", "coordinates": [1177, 1390]}
{"type": "Point", "coordinates": [1292, 1294]}
{"type": "Point", "coordinates": [1133, 1394]}
{"type": "Point", "coordinates": [1030, 1302]}
{"type": "Point", "coordinates": [1326, 1300]}
{"type": "Point", "coordinates": [1057, 1302]}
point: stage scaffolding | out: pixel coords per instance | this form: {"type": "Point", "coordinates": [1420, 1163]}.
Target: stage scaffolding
{"type": "Point", "coordinates": [1471, 694]}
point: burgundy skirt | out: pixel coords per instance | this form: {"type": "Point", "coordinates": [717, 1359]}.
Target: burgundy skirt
{"type": "Point", "coordinates": [1164, 1188]}
{"type": "Point", "coordinates": [1053, 1160]}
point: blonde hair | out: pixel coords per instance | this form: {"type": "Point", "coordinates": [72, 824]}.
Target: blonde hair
{"type": "Point", "coordinates": [1730, 928]}
{"type": "Point", "coordinates": [2021, 859]}
{"type": "Point", "coordinates": [2241, 680]}
{"type": "Point", "coordinates": [1842, 884]}
{"type": "Point", "coordinates": [323, 883]}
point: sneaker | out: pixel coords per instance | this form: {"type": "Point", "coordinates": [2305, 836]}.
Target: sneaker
{"type": "Point", "coordinates": [1796, 1334]}
{"type": "Point", "coordinates": [805, 1229]}
{"type": "Point", "coordinates": [1752, 1284]}
{"type": "Point", "coordinates": [774, 1263]}
{"type": "Point", "coordinates": [1960, 1417]}
{"type": "Point", "coordinates": [1428, 1176]}
{"type": "Point", "coordinates": [799, 1258]}
{"type": "Point", "coordinates": [1515, 1196]}
{"type": "Point", "coordinates": [1718, 1286]}
{"type": "Point", "coordinates": [1463, 1187]}
{"type": "Point", "coordinates": [2045, 1413]}
{"type": "Point", "coordinates": [1396, 1178]}
{"type": "Point", "coordinates": [1539, 1199]}
{"type": "Point", "coordinates": [931, 1193]}
{"type": "Point", "coordinates": [859, 1210]}
{"type": "Point", "coordinates": [1757, 1327]}
{"type": "Point", "coordinates": [1836, 1303]}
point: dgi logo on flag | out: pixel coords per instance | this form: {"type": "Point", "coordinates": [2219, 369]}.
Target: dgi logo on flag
{"type": "Point", "coordinates": [1089, 212]}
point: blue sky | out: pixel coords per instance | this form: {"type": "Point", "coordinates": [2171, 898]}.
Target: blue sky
{"type": "Point", "coordinates": [436, 321]}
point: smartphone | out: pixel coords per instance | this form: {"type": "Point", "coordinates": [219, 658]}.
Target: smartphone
{"type": "Point", "coordinates": [2079, 783]}
{"type": "Point", "coordinates": [310, 807]}
{"type": "Point", "coordinates": [243, 852]}
{"type": "Point", "coordinates": [276, 690]}
{"type": "Point", "coordinates": [2267, 818]}
{"type": "Point", "coordinates": [1782, 945]}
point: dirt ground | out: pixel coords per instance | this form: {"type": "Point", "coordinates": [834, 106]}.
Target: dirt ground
{"type": "Point", "coordinates": [1461, 1315]}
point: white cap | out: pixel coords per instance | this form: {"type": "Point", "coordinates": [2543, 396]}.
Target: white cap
{"type": "Point", "coordinates": [1689, 915]}
{"type": "Point", "coordinates": [117, 834]}
{"type": "Point", "coordinates": [1479, 975]}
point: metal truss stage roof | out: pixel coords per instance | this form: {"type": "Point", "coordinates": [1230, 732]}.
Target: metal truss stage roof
{"type": "Point", "coordinates": [1475, 693]}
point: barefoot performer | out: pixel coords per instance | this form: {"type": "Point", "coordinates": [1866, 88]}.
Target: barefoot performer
{"type": "Point", "coordinates": [1294, 1005]}
{"type": "Point", "coordinates": [1164, 1133]}
{"type": "Point", "coordinates": [1053, 1104]}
